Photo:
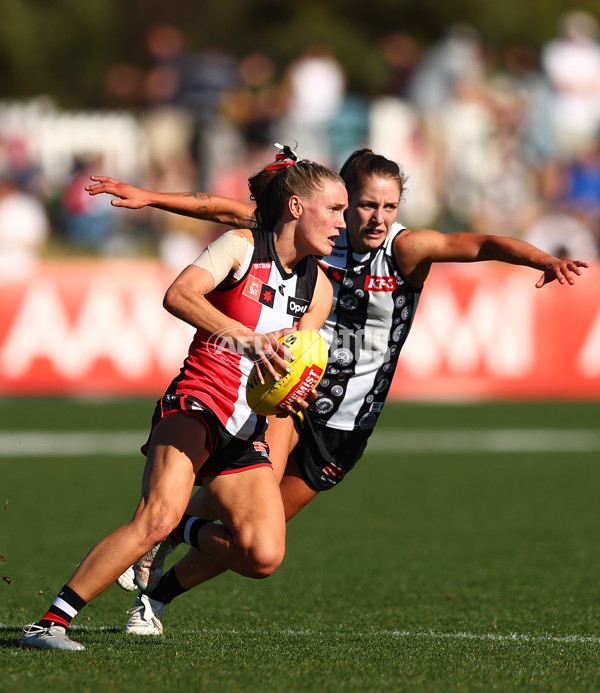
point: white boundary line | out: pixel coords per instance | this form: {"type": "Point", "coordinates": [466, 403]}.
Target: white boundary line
{"type": "Point", "coordinates": [442, 441]}
{"type": "Point", "coordinates": [503, 440]}
{"type": "Point", "coordinates": [53, 444]}
{"type": "Point", "coordinates": [408, 634]}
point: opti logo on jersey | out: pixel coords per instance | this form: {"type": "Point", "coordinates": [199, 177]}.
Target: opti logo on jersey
{"type": "Point", "coordinates": [297, 306]}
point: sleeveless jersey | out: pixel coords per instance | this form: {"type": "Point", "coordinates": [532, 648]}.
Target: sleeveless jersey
{"type": "Point", "coordinates": [373, 309]}
{"type": "Point", "coordinates": [266, 298]}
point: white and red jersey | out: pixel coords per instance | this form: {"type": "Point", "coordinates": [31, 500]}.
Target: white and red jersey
{"type": "Point", "coordinates": [264, 299]}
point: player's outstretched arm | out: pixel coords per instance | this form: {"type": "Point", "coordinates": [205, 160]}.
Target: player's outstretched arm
{"type": "Point", "coordinates": [416, 250]}
{"type": "Point", "coordinates": [517, 252]}
{"type": "Point", "coordinates": [199, 205]}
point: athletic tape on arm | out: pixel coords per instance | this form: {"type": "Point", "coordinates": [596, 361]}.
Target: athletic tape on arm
{"type": "Point", "coordinates": [226, 252]}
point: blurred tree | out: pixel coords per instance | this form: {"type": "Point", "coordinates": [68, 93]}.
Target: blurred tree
{"type": "Point", "coordinates": [67, 48]}
{"type": "Point", "coordinates": [60, 49]}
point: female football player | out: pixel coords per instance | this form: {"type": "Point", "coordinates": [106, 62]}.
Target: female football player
{"type": "Point", "coordinates": [239, 288]}
{"type": "Point", "coordinates": [378, 269]}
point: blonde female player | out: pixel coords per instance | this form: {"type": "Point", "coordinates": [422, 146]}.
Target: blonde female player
{"type": "Point", "coordinates": [378, 269]}
{"type": "Point", "coordinates": [242, 285]}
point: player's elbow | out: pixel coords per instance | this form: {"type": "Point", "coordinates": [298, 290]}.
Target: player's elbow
{"type": "Point", "coordinates": [176, 299]}
{"type": "Point", "coordinates": [172, 300]}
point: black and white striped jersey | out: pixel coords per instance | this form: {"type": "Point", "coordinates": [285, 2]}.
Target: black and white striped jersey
{"type": "Point", "coordinates": [372, 312]}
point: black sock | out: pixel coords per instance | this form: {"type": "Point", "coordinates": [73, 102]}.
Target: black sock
{"type": "Point", "coordinates": [168, 588]}
{"type": "Point", "coordinates": [63, 609]}
{"type": "Point", "coordinates": [186, 531]}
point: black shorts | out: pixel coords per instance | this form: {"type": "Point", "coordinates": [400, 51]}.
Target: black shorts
{"type": "Point", "coordinates": [325, 455]}
{"type": "Point", "coordinates": [228, 454]}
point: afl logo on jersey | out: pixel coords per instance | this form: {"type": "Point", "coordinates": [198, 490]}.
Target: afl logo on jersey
{"type": "Point", "coordinates": [297, 306]}
{"type": "Point", "coordinates": [375, 283]}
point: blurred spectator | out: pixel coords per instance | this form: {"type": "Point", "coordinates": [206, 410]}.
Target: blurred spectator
{"type": "Point", "coordinates": [396, 131]}
{"type": "Point", "coordinates": [348, 129]}
{"type": "Point", "coordinates": [87, 220]}
{"type": "Point", "coordinates": [124, 84]}
{"type": "Point", "coordinates": [206, 77]}
{"type": "Point", "coordinates": [488, 187]}
{"type": "Point", "coordinates": [466, 129]}
{"type": "Point", "coordinates": [163, 82]}
{"type": "Point", "coordinates": [180, 240]}
{"type": "Point", "coordinates": [538, 140]}
{"type": "Point", "coordinates": [564, 236]}
{"type": "Point", "coordinates": [184, 92]}
{"type": "Point", "coordinates": [24, 229]}
{"type": "Point", "coordinates": [572, 64]}
{"type": "Point", "coordinates": [457, 58]}
{"type": "Point", "coordinates": [168, 135]}
{"type": "Point", "coordinates": [449, 93]}
{"type": "Point", "coordinates": [510, 149]}
{"type": "Point", "coordinates": [253, 104]}
{"type": "Point", "coordinates": [313, 89]}
{"type": "Point", "coordinates": [401, 53]}
{"type": "Point", "coordinates": [177, 237]}
{"type": "Point", "coordinates": [581, 185]}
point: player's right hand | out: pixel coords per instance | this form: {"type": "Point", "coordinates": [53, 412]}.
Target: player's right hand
{"type": "Point", "coordinates": [125, 195]}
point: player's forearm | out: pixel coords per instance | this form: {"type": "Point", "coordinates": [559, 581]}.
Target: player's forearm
{"type": "Point", "coordinates": [206, 207]}
{"type": "Point", "coordinates": [514, 252]}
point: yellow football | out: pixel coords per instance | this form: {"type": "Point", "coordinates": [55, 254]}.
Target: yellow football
{"type": "Point", "coordinates": [310, 359]}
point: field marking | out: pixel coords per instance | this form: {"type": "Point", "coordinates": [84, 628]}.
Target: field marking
{"type": "Point", "coordinates": [440, 441]}
{"type": "Point", "coordinates": [408, 634]}
{"type": "Point", "coordinates": [513, 440]}
{"type": "Point", "coordinates": [53, 444]}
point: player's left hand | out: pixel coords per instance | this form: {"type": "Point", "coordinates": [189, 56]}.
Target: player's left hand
{"type": "Point", "coordinates": [564, 271]}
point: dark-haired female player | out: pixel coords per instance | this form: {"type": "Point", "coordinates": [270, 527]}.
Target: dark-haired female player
{"type": "Point", "coordinates": [241, 285]}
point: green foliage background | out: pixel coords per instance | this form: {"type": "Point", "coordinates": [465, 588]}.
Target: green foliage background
{"type": "Point", "coordinates": [64, 48]}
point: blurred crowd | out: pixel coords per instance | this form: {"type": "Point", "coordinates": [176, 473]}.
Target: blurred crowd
{"type": "Point", "coordinates": [498, 142]}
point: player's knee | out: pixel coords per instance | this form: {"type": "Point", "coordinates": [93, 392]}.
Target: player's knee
{"type": "Point", "coordinates": [262, 558]}
{"type": "Point", "coordinates": [263, 565]}
{"type": "Point", "coordinates": [266, 563]}
{"type": "Point", "coordinates": [156, 522]}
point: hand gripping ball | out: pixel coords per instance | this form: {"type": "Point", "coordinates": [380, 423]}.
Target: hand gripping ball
{"type": "Point", "coordinates": [307, 368]}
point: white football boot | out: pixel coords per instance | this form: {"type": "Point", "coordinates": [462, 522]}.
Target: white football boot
{"type": "Point", "coordinates": [145, 616]}
{"type": "Point", "coordinates": [53, 637]}
{"type": "Point", "coordinates": [149, 569]}
{"type": "Point", "coordinates": [126, 580]}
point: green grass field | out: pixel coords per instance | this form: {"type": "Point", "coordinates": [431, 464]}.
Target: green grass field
{"type": "Point", "coordinates": [464, 561]}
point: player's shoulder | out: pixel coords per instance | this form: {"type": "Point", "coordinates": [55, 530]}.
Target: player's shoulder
{"type": "Point", "coordinates": [247, 234]}
{"type": "Point", "coordinates": [412, 238]}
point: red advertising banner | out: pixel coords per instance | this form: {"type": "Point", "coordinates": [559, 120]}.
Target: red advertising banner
{"type": "Point", "coordinates": [95, 327]}
{"type": "Point", "coordinates": [481, 331]}
{"type": "Point", "coordinates": [484, 331]}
